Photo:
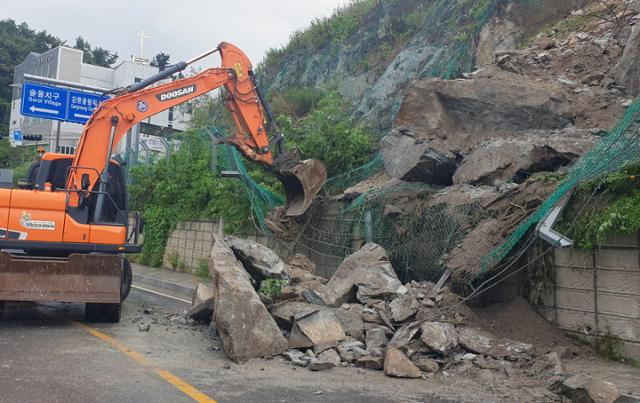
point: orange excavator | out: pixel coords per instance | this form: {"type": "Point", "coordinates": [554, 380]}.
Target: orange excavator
{"type": "Point", "coordinates": [64, 231]}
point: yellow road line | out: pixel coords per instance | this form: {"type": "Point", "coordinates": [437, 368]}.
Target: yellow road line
{"type": "Point", "coordinates": [175, 381]}
{"type": "Point", "coordinates": [187, 389]}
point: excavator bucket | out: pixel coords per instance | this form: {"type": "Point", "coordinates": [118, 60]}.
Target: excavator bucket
{"type": "Point", "coordinates": [302, 180]}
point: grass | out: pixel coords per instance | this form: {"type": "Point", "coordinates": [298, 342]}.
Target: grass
{"type": "Point", "coordinates": [203, 269]}
{"type": "Point", "coordinates": [609, 347]}
{"type": "Point", "coordinates": [272, 287]}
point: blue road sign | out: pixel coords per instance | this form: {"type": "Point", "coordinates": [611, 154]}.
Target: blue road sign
{"type": "Point", "coordinates": [17, 136]}
{"type": "Point", "coordinates": [82, 105]}
{"type": "Point", "coordinates": [42, 101]}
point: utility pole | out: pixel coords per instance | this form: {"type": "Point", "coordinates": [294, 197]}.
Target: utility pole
{"type": "Point", "coordinates": [57, 144]}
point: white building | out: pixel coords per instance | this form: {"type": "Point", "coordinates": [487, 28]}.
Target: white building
{"type": "Point", "coordinates": [63, 63]}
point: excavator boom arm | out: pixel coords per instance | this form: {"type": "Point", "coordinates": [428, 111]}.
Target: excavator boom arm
{"type": "Point", "coordinates": [113, 118]}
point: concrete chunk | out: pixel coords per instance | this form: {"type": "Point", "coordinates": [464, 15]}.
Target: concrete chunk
{"type": "Point", "coordinates": [260, 261]}
{"type": "Point", "coordinates": [319, 330]}
{"type": "Point", "coordinates": [396, 364]}
{"type": "Point", "coordinates": [243, 322]}
{"type": "Point", "coordinates": [367, 271]}
{"type": "Point", "coordinates": [440, 337]}
{"type": "Point", "coordinates": [202, 303]}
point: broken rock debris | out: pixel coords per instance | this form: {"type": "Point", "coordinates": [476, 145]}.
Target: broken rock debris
{"type": "Point", "coordinates": [365, 318]}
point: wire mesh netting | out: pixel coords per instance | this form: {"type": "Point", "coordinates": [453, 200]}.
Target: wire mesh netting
{"type": "Point", "coordinates": [420, 235]}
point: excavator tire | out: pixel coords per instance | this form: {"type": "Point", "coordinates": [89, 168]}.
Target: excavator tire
{"type": "Point", "coordinates": [108, 313]}
{"type": "Point", "coordinates": [111, 312]}
{"type": "Point", "coordinates": [127, 278]}
{"type": "Point", "coordinates": [92, 312]}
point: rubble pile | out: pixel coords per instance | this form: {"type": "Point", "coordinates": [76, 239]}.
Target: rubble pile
{"type": "Point", "coordinates": [363, 316]}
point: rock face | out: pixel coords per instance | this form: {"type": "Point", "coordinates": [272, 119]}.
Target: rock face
{"type": "Point", "coordinates": [202, 303]}
{"type": "Point", "coordinates": [260, 261]}
{"type": "Point", "coordinates": [397, 365]}
{"type": "Point", "coordinates": [627, 71]}
{"type": "Point", "coordinates": [364, 274]}
{"type": "Point", "coordinates": [244, 324]}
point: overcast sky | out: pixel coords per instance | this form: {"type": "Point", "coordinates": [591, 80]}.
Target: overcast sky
{"type": "Point", "coordinates": [181, 28]}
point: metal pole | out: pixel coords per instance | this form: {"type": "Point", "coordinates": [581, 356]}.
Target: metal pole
{"type": "Point", "coordinates": [167, 148]}
{"type": "Point", "coordinates": [147, 152]}
{"type": "Point", "coordinates": [127, 157]}
{"type": "Point", "coordinates": [104, 177]}
{"type": "Point", "coordinates": [136, 143]}
{"type": "Point", "coordinates": [57, 144]}
{"type": "Point", "coordinates": [214, 150]}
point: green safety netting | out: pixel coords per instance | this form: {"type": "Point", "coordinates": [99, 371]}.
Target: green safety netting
{"type": "Point", "coordinates": [261, 199]}
{"type": "Point", "coordinates": [616, 149]}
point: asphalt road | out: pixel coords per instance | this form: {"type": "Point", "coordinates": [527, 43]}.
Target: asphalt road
{"type": "Point", "coordinates": [48, 354]}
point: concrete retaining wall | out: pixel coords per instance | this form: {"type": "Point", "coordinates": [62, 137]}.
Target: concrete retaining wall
{"type": "Point", "coordinates": [191, 241]}
{"type": "Point", "coordinates": [598, 292]}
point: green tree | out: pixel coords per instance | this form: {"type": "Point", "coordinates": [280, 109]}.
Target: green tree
{"type": "Point", "coordinates": [161, 60]}
{"type": "Point", "coordinates": [97, 56]}
{"type": "Point", "coordinates": [16, 41]}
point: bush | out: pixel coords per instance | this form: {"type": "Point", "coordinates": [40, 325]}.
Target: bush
{"type": "Point", "coordinates": [329, 134]}
{"type": "Point", "coordinates": [613, 207]}
{"type": "Point", "coordinates": [272, 287]}
{"type": "Point", "coordinates": [297, 102]}
{"type": "Point", "coordinates": [203, 269]}
{"type": "Point", "coordinates": [185, 188]}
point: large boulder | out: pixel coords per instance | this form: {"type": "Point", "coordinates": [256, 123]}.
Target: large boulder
{"type": "Point", "coordinates": [363, 275]}
{"type": "Point", "coordinates": [411, 159]}
{"type": "Point", "coordinates": [260, 261]}
{"type": "Point", "coordinates": [462, 113]}
{"type": "Point", "coordinates": [403, 307]}
{"type": "Point", "coordinates": [441, 121]}
{"type": "Point", "coordinates": [518, 157]}
{"type": "Point", "coordinates": [241, 319]}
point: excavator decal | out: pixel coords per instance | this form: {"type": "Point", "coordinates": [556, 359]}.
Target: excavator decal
{"type": "Point", "coordinates": [180, 92]}
{"type": "Point", "coordinates": [28, 223]}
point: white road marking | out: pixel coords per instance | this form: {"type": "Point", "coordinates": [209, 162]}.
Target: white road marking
{"type": "Point", "coordinates": [160, 294]}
